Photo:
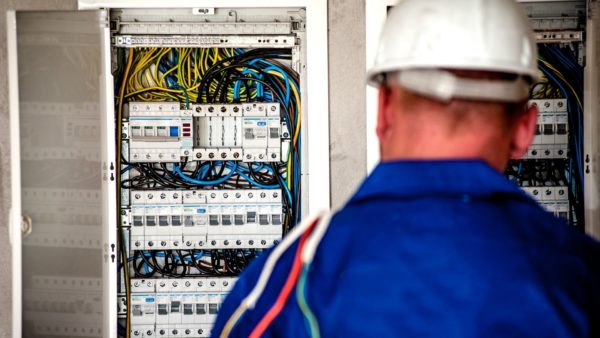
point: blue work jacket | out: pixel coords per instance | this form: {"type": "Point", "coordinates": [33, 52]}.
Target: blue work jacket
{"type": "Point", "coordinates": [437, 249]}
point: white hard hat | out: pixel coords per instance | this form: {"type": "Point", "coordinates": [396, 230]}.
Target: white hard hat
{"type": "Point", "coordinates": [422, 38]}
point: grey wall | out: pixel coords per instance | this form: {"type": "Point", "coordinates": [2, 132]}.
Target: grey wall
{"type": "Point", "coordinates": [347, 119]}
{"type": "Point", "coordinates": [347, 102]}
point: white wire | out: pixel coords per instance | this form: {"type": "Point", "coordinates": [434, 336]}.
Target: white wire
{"type": "Point", "coordinates": [250, 300]}
{"type": "Point", "coordinates": [310, 248]}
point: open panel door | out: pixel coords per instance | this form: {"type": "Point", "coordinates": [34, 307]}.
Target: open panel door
{"type": "Point", "coordinates": [63, 136]}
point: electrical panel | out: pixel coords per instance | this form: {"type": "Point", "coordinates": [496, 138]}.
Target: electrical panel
{"type": "Point", "coordinates": [552, 170]}
{"type": "Point", "coordinates": [209, 156]}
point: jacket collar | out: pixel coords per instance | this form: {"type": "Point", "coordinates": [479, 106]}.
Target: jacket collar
{"type": "Point", "coordinates": [448, 178]}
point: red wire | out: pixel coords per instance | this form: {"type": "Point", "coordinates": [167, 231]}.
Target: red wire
{"type": "Point", "coordinates": [275, 310]}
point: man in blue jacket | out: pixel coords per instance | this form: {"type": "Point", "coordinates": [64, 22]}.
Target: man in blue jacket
{"type": "Point", "coordinates": [436, 242]}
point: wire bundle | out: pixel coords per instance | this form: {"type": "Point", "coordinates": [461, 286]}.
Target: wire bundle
{"type": "Point", "coordinates": [539, 173]}
{"type": "Point", "coordinates": [190, 263]}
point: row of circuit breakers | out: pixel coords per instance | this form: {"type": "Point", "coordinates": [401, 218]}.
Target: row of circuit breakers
{"type": "Point", "coordinates": [204, 219]}
{"type": "Point", "coordinates": [167, 132]}
{"type": "Point", "coordinates": [550, 142]}
{"type": "Point", "coordinates": [176, 307]}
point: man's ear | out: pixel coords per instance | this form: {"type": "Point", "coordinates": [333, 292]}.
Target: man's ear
{"type": "Point", "coordinates": [523, 132]}
{"type": "Point", "coordinates": [385, 114]}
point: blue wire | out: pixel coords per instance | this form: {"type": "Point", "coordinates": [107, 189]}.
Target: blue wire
{"type": "Point", "coordinates": [126, 169]}
{"type": "Point", "coordinates": [232, 169]}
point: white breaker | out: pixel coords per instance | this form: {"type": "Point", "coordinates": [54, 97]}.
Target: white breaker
{"type": "Point", "coordinates": [553, 199]}
{"type": "Point", "coordinates": [204, 219]}
{"type": "Point", "coordinates": [166, 132]}
{"type": "Point", "coordinates": [185, 307]}
{"type": "Point", "coordinates": [552, 130]}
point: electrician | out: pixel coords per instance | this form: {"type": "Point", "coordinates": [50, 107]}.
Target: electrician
{"type": "Point", "coordinates": [436, 242]}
